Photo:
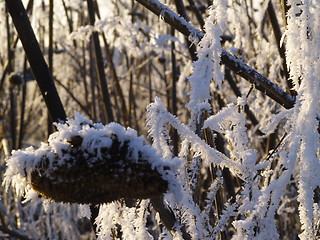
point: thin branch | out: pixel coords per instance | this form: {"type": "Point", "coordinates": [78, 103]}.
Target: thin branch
{"type": "Point", "coordinates": [239, 67]}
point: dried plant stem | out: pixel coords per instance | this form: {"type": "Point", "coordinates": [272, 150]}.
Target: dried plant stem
{"type": "Point", "coordinates": [116, 82]}
{"type": "Point", "coordinates": [92, 83]}
{"type": "Point", "coordinates": [23, 104]}
{"type": "Point", "coordinates": [99, 66]}
{"type": "Point", "coordinates": [13, 119]}
{"type": "Point", "coordinates": [114, 75]}
{"type": "Point", "coordinates": [174, 100]}
{"type": "Point", "coordinates": [9, 50]}
{"type": "Point", "coordinates": [50, 61]}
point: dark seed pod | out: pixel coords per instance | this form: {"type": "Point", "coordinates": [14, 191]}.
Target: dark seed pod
{"type": "Point", "coordinates": [15, 80]}
{"type": "Point", "coordinates": [162, 59]}
{"type": "Point", "coordinates": [84, 177]}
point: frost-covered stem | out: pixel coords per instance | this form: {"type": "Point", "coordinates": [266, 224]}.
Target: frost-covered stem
{"type": "Point", "coordinates": [218, 200]}
{"type": "Point", "coordinates": [260, 82]}
{"type": "Point", "coordinates": [239, 67]}
{"type": "Point", "coordinates": [36, 60]}
{"type": "Point", "coordinates": [168, 218]}
{"type": "Point", "coordinates": [99, 66]}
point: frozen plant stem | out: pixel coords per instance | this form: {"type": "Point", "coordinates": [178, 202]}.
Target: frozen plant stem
{"type": "Point", "coordinates": [167, 217]}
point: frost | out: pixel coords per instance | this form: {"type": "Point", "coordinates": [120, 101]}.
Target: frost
{"type": "Point", "coordinates": [207, 67]}
{"type": "Point", "coordinates": [303, 57]}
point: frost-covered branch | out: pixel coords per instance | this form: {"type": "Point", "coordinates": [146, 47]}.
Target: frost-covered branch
{"type": "Point", "coordinates": [239, 67]}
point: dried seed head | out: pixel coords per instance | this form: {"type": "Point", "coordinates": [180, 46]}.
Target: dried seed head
{"type": "Point", "coordinates": [84, 177]}
{"type": "Point", "coordinates": [86, 162]}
